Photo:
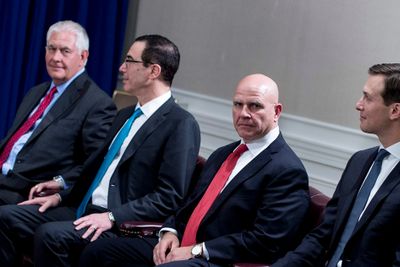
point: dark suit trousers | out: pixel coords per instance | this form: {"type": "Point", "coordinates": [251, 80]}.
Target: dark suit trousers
{"type": "Point", "coordinates": [57, 243]}
{"type": "Point", "coordinates": [10, 197]}
{"type": "Point", "coordinates": [129, 252]}
{"type": "Point", "coordinates": [18, 225]}
{"type": "Point", "coordinates": [14, 188]}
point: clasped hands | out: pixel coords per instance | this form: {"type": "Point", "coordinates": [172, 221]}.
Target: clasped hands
{"type": "Point", "coordinates": [46, 195]}
{"type": "Point", "coordinates": [168, 250]}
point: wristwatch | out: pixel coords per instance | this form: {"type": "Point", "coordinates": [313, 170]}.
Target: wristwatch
{"type": "Point", "coordinates": [111, 218]}
{"type": "Point", "coordinates": [59, 179]}
{"type": "Point", "coordinates": [197, 251]}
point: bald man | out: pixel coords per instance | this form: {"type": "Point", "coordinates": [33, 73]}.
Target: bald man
{"type": "Point", "coordinates": [259, 203]}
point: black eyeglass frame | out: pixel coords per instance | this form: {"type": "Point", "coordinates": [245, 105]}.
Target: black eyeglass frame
{"type": "Point", "coordinates": [131, 60]}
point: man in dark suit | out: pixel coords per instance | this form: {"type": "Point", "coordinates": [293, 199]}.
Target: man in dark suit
{"type": "Point", "coordinates": [145, 178]}
{"type": "Point", "coordinates": [255, 212]}
{"type": "Point", "coordinates": [371, 236]}
{"type": "Point", "coordinates": [55, 130]}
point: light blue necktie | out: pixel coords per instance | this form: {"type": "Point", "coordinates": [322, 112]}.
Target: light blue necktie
{"type": "Point", "coordinates": [112, 151]}
{"type": "Point", "coordinates": [358, 207]}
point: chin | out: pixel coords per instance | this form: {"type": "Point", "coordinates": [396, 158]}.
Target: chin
{"type": "Point", "coordinates": [367, 130]}
{"type": "Point", "coordinates": [57, 76]}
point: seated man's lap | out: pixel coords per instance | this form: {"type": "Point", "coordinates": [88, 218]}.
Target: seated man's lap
{"type": "Point", "coordinates": [27, 218]}
{"type": "Point", "coordinates": [64, 233]}
{"type": "Point", "coordinates": [10, 197]}
{"type": "Point", "coordinates": [195, 262]}
{"type": "Point", "coordinates": [129, 252]}
{"type": "Point", "coordinates": [119, 251]}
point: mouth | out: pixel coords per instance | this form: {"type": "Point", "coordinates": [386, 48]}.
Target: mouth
{"type": "Point", "coordinates": [56, 67]}
{"type": "Point", "coordinates": [242, 125]}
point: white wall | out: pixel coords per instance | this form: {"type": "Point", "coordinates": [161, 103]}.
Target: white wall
{"type": "Point", "coordinates": [323, 148]}
{"type": "Point", "coordinates": [318, 51]}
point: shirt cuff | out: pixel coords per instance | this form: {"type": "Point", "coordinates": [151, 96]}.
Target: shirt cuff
{"type": "Point", "coordinates": [166, 229]}
{"type": "Point", "coordinates": [205, 251]}
{"type": "Point", "coordinates": [59, 179]}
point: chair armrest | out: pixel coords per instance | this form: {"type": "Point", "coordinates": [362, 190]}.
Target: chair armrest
{"type": "Point", "coordinates": [140, 229]}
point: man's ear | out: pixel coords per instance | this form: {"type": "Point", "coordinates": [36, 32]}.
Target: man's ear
{"type": "Point", "coordinates": [278, 111]}
{"type": "Point", "coordinates": [155, 71]}
{"type": "Point", "coordinates": [84, 56]}
{"type": "Point", "coordinates": [395, 111]}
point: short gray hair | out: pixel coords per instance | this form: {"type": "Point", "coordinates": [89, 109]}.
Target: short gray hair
{"type": "Point", "coordinates": [82, 39]}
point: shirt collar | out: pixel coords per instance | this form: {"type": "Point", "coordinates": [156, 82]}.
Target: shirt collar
{"type": "Point", "coordinates": [150, 107]}
{"type": "Point", "coordinates": [62, 87]}
{"type": "Point", "coordinates": [258, 145]}
{"type": "Point", "coordinates": [394, 149]}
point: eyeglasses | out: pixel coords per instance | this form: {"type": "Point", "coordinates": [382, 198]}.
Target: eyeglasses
{"type": "Point", "coordinates": [131, 60]}
{"type": "Point", "coordinates": [65, 51]}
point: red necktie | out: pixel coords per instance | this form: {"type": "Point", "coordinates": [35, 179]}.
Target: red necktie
{"type": "Point", "coordinates": [27, 125]}
{"type": "Point", "coordinates": [213, 190]}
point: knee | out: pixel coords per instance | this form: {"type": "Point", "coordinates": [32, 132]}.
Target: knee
{"type": "Point", "coordinates": [45, 233]}
{"type": "Point", "coordinates": [93, 253]}
{"type": "Point", "coordinates": [9, 215]}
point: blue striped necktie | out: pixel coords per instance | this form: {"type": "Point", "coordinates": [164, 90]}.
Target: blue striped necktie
{"type": "Point", "coordinates": [112, 152]}
{"type": "Point", "coordinates": [358, 207]}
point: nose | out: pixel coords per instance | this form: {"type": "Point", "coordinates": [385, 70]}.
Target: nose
{"type": "Point", "coordinates": [57, 56]}
{"type": "Point", "coordinates": [122, 68]}
{"type": "Point", "coordinates": [244, 112]}
{"type": "Point", "coordinates": [359, 105]}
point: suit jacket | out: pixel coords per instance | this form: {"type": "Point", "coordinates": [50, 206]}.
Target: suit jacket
{"type": "Point", "coordinates": [72, 129]}
{"type": "Point", "coordinates": [257, 217]}
{"type": "Point", "coordinates": [376, 238]}
{"type": "Point", "coordinates": [153, 175]}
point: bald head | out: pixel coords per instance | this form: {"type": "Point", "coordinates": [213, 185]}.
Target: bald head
{"type": "Point", "coordinates": [261, 83]}
{"type": "Point", "coordinates": [256, 109]}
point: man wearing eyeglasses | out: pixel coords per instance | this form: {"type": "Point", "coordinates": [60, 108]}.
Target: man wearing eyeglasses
{"type": "Point", "coordinates": [59, 123]}
{"type": "Point", "coordinates": [142, 171]}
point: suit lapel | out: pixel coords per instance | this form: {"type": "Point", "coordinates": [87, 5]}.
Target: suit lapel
{"type": "Point", "coordinates": [147, 128]}
{"type": "Point", "coordinates": [246, 173]}
{"type": "Point", "coordinates": [38, 93]}
{"type": "Point", "coordinates": [64, 103]}
{"type": "Point", "coordinates": [346, 200]}
{"type": "Point", "coordinates": [212, 168]}
{"type": "Point", "coordinates": [118, 122]}
{"type": "Point", "coordinates": [387, 187]}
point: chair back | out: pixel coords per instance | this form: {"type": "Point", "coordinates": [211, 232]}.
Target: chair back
{"type": "Point", "coordinates": [318, 201]}
{"type": "Point", "coordinates": [123, 99]}
{"type": "Point", "coordinates": [196, 173]}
